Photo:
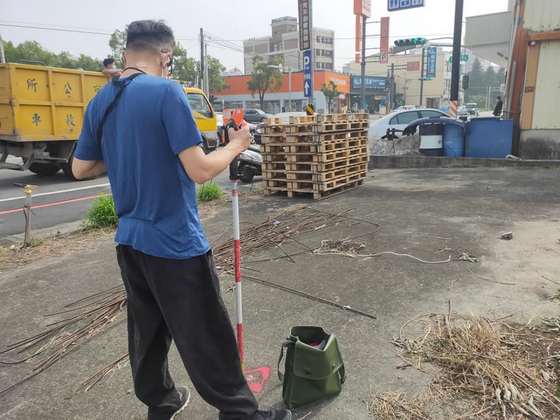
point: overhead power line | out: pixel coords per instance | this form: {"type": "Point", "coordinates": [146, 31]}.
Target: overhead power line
{"type": "Point", "coordinates": [68, 29]}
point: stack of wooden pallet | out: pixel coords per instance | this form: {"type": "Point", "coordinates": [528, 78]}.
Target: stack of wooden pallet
{"type": "Point", "coordinates": [317, 155]}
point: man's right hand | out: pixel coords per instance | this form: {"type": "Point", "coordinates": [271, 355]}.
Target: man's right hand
{"type": "Point", "coordinates": [240, 139]}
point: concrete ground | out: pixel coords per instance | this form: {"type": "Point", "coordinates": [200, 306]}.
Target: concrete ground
{"type": "Point", "coordinates": [430, 214]}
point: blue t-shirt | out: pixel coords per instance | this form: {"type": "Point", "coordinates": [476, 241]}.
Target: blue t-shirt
{"type": "Point", "coordinates": [154, 198]}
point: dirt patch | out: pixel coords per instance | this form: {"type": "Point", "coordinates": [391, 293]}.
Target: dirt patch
{"type": "Point", "coordinates": [533, 253]}
{"type": "Point", "coordinates": [15, 256]}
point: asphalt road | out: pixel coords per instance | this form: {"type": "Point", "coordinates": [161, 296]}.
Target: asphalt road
{"type": "Point", "coordinates": [56, 199]}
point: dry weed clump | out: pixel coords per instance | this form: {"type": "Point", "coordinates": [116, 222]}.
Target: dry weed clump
{"type": "Point", "coordinates": [508, 371]}
{"type": "Point", "coordinates": [395, 405]}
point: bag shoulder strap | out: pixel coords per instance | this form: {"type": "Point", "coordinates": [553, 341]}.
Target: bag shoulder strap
{"type": "Point", "coordinates": [112, 105]}
{"type": "Point", "coordinates": [285, 345]}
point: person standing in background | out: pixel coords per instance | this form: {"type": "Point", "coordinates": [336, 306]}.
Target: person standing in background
{"type": "Point", "coordinates": [498, 108]}
{"type": "Point", "coordinates": [110, 69]}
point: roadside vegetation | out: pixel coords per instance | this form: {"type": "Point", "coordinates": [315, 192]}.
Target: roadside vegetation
{"type": "Point", "coordinates": [102, 213]}
{"type": "Point", "coordinates": [209, 192]}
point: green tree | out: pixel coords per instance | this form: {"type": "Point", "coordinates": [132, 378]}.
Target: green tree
{"type": "Point", "coordinates": [186, 69]}
{"type": "Point", "coordinates": [32, 52]}
{"type": "Point", "coordinates": [265, 77]}
{"type": "Point", "coordinates": [117, 43]}
{"type": "Point", "coordinates": [215, 71]}
{"type": "Point", "coordinates": [331, 93]}
{"type": "Point", "coordinates": [490, 78]}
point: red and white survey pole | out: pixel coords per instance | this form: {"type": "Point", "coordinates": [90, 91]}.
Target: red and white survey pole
{"type": "Point", "coordinates": [237, 269]}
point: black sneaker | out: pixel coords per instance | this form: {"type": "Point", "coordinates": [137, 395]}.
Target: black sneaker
{"type": "Point", "coordinates": [185, 398]}
{"type": "Point", "coordinates": [273, 414]}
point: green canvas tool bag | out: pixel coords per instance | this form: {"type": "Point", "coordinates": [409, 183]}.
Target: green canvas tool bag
{"type": "Point", "coordinates": [313, 370]}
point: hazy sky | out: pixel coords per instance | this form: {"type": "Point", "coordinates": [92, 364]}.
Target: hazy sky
{"type": "Point", "coordinates": [248, 18]}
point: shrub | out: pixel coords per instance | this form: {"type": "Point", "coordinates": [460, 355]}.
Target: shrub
{"type": "Point", "coordinates": [102, 213]}
{"type": "Point", "coordinates": [209, 191]}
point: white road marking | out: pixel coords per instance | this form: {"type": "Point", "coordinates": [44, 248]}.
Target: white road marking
{"type": "Point", "coordinates": [89, 187]}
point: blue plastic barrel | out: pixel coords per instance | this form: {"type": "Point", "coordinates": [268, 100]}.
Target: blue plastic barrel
{"type": "Point", "coordinates": [454, 140]}
{"type": "Point", "coordinates": [489, 138]}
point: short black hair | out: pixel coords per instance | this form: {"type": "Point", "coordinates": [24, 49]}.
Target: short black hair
{"type": "Point", "coordinates": [108, 61]}
{"type": "Point", "coordinates": [499, 97]}
{"type": "Point", "coordinates": [149, 34]}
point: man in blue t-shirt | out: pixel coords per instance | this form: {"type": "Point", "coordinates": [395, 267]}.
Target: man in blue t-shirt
{"type": "Point", "coordinates": [140, 130]}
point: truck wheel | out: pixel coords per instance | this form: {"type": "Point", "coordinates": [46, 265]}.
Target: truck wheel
{"type": "Point", "coordinates": [44, 169]}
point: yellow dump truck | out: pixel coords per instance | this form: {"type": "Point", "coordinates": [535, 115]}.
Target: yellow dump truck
{"type": "Point", "coordinates": [41, 113]}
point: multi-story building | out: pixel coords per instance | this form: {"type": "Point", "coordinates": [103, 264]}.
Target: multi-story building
{"type": "Point", "coordinates": [435, 92]}
{"type": "Point", "coordinates": [287, 97]}
{"type": "Point", "coordinates": [283, 45]}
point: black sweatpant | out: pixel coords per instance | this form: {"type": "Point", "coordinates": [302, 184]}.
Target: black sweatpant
{"type": "Point", "coordinates": [180, 300]}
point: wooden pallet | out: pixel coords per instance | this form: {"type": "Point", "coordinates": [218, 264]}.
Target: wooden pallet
{"type": "Point", "coordinates": [274, 121]}
{"type": "Point", "coordinates": [331, 127]}
{"type": "Point", "coordinates": [274, 157]}
{"type": "Point", "coordinates": [359, 133]}
{"type": "Point", "coordinates": [300, 129]}
{"type": "Point", "coordinates": [274, 166]}
{"type": "Point", "coordinates": [316, 167]}
{"type": "Point", "coordinates": [339, 172]}
{"type": "Point", "coordinates": [275, 175]}
{"type": "Point", "coordinates": [273, 138]}
{"type": "Point", "coordinates": [335, 155]}
{"type": "Point", "coordinates": [322, 176]}
{"type": "Point", "coordinates": [358, 125]}
{"type": "Point", "coordinates": [317, 195]}
{"type": "Point", "coordinates": [274, 130]}
{"type": "Point", "coordinates": [303, 119]}
{"type": "Point", "coordinates": [331, 118]}
{"type": "Point", "coordinates": [276, 184]}
{"type": "Point", "coordinates": [306, 138]}
{"type": "Point", "coordinates": [321, 187]}
{"type": "Point", "coordinates": [358, 116]}
{"type": "Point", "coordinates": [356, 142]}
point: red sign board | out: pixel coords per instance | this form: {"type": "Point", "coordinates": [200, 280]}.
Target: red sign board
{"type": "Point", "coordinates": [362, 8]}
{"type": "Point", "coordinates": [384, 41]}
{"type": "Point", "coordinates": [413, 66]}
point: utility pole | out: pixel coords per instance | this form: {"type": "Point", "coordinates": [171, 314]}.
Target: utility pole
{"type": "Point", "coordinates": [456, 67]}
{"type": "Point", "coordinates": [2, 55]}
{"type": "Point", "coordinates": [363, 74]}
{"type": "Point", "coordinates": [393, 87]}
{"type": "Point", "coordinates": [422, 77]}
{"type": "Point", "coordinates": [202, 79]}
{"type": "Point", "coordinates": [206, 77]}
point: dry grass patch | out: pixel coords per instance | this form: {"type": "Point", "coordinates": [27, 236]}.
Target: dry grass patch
{"type": "Point", "coordinates": [503, 370]}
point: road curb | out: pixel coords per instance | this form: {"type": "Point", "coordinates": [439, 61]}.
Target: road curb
{"type": "Point", "coordinates": [401, 162]}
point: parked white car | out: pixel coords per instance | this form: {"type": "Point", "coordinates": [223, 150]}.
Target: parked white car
{"type": "Point", "coordinates": [399, 120]}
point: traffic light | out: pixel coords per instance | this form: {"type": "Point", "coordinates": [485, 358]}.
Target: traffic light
{"type": "Point", "coordinates": [465, 82]}
{"type": "Point", "coordinates": [411, 42]}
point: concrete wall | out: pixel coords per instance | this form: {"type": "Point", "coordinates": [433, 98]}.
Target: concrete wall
{"type": "Point", "coordinates": [547, 92]}
{"type": "Point", "coordinates": [540, 144]}
{"type": "Point", "coordinates": [488, 36]}
{"type": "Point", "coordinates": [542, 15]}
